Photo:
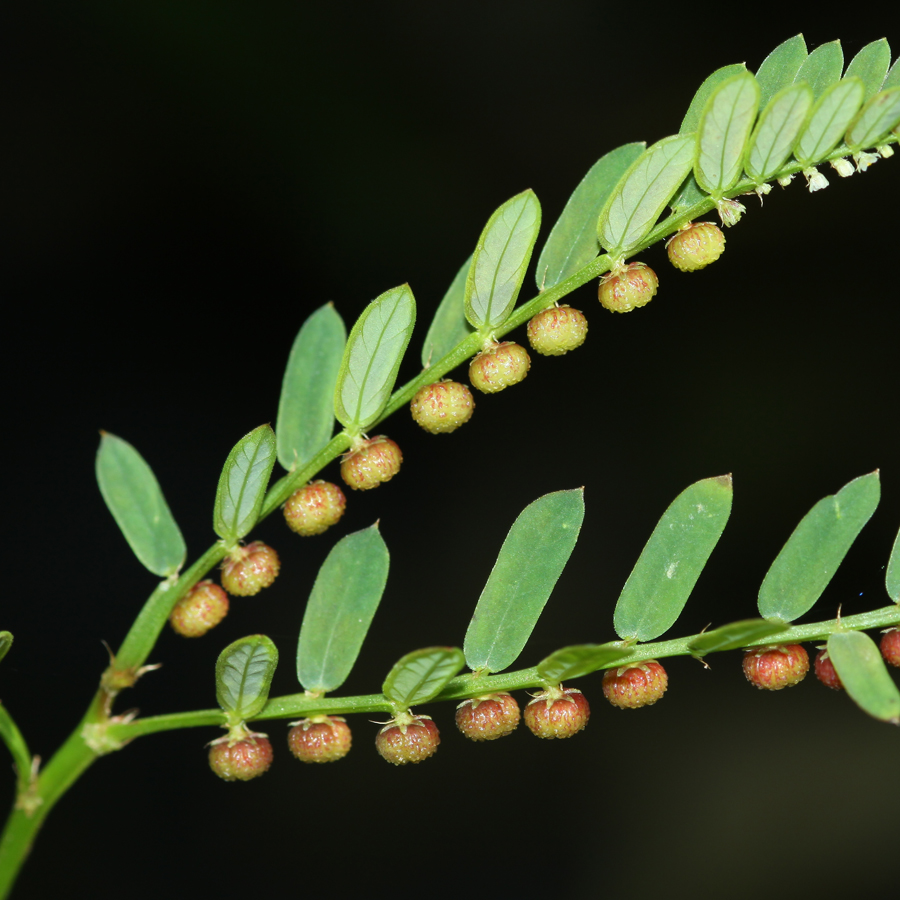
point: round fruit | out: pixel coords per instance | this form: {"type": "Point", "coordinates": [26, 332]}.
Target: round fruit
{"type": "Point", "coordinates": [630, 687]}
{"type": "Point", "coordinates": [408, 739]}
{"type": "Point", "coordinates": [442, 407]}
{"type": "Point", "coordinates": [488, 717]}
{"type": "Point", "coordinates": [247, 570]}
{"type": "Point", "coordinates": [314, 508]}
{"type": "Point", "coordinates": [557, 713]}
{"type": "Point", "coordinates": [201, 608]}
{"type": "Point", "coordinates": [695, 246]}
{"type": "Point", "coordinates": [626, 289]}
{"type": "Point", "coordinates": [499, 367]}
{"type": "Point", "coordinates": [241, 760]}
{"type": "Point", "coordinates": [321, 739]}
{"type": "Point", "coordinates": [774, 668]}
{"type": "Point", "coordinates": [557, 330]}
{"type": "Point", "coordinates": [890, 647]}
{"type": "Point", "coordinates": [376, 460]}
{"type": "Point", "coordinates": [825, 671]}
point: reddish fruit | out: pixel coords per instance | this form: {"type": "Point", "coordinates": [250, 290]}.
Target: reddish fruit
{"type": "Point", "coordinates": [627, 288]}
{"type": "Point", "coordinates": [374, 461]}
{"type": "Point", "coordinates": [241, 760]}
{"type": "Point", "coordinates": [408, 739]}
{"type": "Point", "coordinates": [442, 407]}
{"type": "Point", "coordinates": [557, 713]}
{"type": "Point", "coordinates": [201, 608]}
{"type": "Point", "coordinates": [314, 508]}
{"type": "Point", "coordinates": [825, 671]}
{"type": "Point", "coordinates": [774, 668]}
{"type": "Point", "coordinates": [247, 570]}
{"type": "Point", "coordinates": [890, 647]}
{"type": "Point", "coordinates": [695, 246]}
{"type": "Point", "coordinates": [499, 367]}
{"type": "Point", "coordinates": [633, 686]}
{"type": "Point", "coordinates": [321, 739]}
{"type": "Point", "coordinates": [557, 330]}
{"type": "Point", "coordinates": [489, 717]}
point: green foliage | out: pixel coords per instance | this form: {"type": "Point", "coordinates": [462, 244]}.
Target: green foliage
{"type": "Point", "coordinates": [244, 674]}
{"type": "Point", "coordinates": [865, 677]}
{"type": "Point", "coordinates": [777, 131]}
{"type": "Point", "coordinates": [780, 68]}
{"type": "Point", "coordinates": [830, 118]}
{"type": "Point", "coordinates": [421, 675]}
{"type": "Point", "coordinates": [870, 65]}
{"type": "Point", "coordinates": [735, 635]}
{"type": "Point", "coordinates": [892, 575]}
{"type": "Point", "coordinates": [874, 121]}
{"type": "Point", "coordinates": [6, 640]}
{"type": "Point", "coordinates": [822, 68]}
{"type": "Point", "coordinates": [449, 325]}
{"type": "Point", "coordinates": [581, 659]}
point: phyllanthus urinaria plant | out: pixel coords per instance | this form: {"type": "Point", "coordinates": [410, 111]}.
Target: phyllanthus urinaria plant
{"type": "Point", "coordinates": [742, 133]}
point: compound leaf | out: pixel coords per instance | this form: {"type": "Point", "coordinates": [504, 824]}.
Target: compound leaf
{"type": "Point", "coordinates": [449, 325]}
{"type": "Point", "coordinates": [421, 675]}
{"type": "Point", "coordinates": [244, 673]}
{"type": "Point", "coordinates": [780, 68]}
{"type": "Point", "coordinates": [858, 663]}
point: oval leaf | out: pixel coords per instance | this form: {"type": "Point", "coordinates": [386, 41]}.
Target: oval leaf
{"type": "Point", "coordinates": [777, 132]}
{"type": "Point", "coordinates": [723, 133]}
{"type": "Point", "coordinates": [780, 68]}
{"type": "Point", "coordinates": [244, 673]}
{"type": "Point", "coordinates": [6, 640]}
{"type": "Point", "coordinates": [892, 576]}
{"type": "Point", "coordinates": [822, 68]}
{"type": "Point", "coordinates": [242, 484]}
{"type": "Point", "coordinates": [870, 65]}
{"type": "Point", "coordinates": [874, 121]}
{"type": "Point", "coordinates": [372, 358]}
{"type": "Point", "coordinates": [133, 496]}
{"type": "Point", "coordinates": [500, 260]}
{"type": "Point", "coordinates": [530, 562]}
{"type": "Point", "coordinates": [691, 121]}
{"type": "Point", "coordinates": [306, 408]}
{"type": "Point", "coordinates": [581, 659]}
{"type": "Point", "coordinates": [829, 120]}
{"type": "Point", "coordinates": [672, 560]}
{"type": "Point", "coordinates": [814, 551]}
{"type": "Point", "coordinates": [864, 675]}
{"type": "Point", "coordinates": [735, 635]}
{"type": "Point", "coordinates": [643, 192]}
{"type": "Point", "coordinates": [449, 325]}
{"type": "Point", "coordinates": [421, 675]}
{"type": "Point", "coordinates": [341, 606]}
{"type": "Point", "coordinates": [572, 243]}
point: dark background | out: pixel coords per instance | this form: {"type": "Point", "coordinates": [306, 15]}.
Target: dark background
{"type": "Point", "coordinates": [184, 183]}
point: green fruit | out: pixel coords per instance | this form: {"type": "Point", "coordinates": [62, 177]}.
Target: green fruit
{"type": "Point", "coordinates": [636, 685]}
{"type": "Point", "coordinates": [774, 668]}
{"type": "Point", "coordinates": [499, 367]}
{"type": "Point", "coordinates": [557, 330]}
{"type": "Point", "coordinates": [247, 570]}
{"type": "Point", "coordinates": [627, 288]}
{"type": "Point", "coordinates": [314, 508]}
{"type": "Point", "coordinates": [695, 246]}
{"type": "Point", "coordinates": [557, 713]}
{"type": "Point", "coordinates": [488, 717]}
{"type": "Point", "coordinates": [320, 739]}
{"type": "Point", "coordinates": [376, 460]}
{"type": "Point", "coordinates": [199, 610]}
{"type": "Point", "coordinates": [442, 407]}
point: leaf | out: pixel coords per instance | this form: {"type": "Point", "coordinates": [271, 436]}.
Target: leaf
{"type": "Point", "coordinates": [745, 633]}
{"type": "Point", "coordinates": [672, 560]}
{"type": "Point", "coordinates": [242, 484]}
{"type": "Point", "coordinates": [865, 677]}
{"type": "Point", "coordinates": [421, 675]}
{"type": "Point", "coordinates": [572, 243]}
{"type": "Point", "coordinates": [500, 260]}
{"type": "Point", "coordinates": [874, 121]}
{"type": "Point", "coordinates": [244, 673]}
{"type": "Point", "coordinates": [892, 576]}
{"type": "Point", "coordinates": [340, 610]}
{"type": "Point", "coordinates": [829, 120]}
{"type": "Point", "coordinates": [530, 562]}
{"type": "Point", "coordinates": [581, 659]}
{"type": "Point", "coordinates": [777, 132]}
{"type": "Point", "coordinates": [372, 358]}
{"type": "Point", "coordinates": [723, 133]}
{"type": "Point", "coordinates": [814, 551]}
{"type": "Point", "coordinates": [449, 325]}
{"type": "Point", "coordinates": [133, 496]}
{"type": "Point", "coordinates": [6, 640]}
{"type": "Point", "coordinates": [822, 68]}
{"type": "Point", "coordinates": [691, 121]}
{"type": "Point", "coordinates": [870, 65]}
{"type": "Point", "coordinates": [642, 193]}
{"type": "Point", "coordinates": [893, 77]}
{"type": "Point", "coordinates": [780, 68]}
{"type": "Point", "coordinates": [306, 407]}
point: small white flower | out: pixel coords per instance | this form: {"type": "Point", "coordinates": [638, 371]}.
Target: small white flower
{"type": "Point", "coordinates": [730, 211]}
{"type": "Point", "coordinates": [864, 160]}
{"type": "Point", "coordinates": [761, 190]}
{"type": "Point", "coordinates": [815, 179]}
{"type": "Point", "coordinates": [843, 167]}
{"type": "Point", "coordinates": [785, 180]}
{"type": "Point", "coordinates": [886, 151]}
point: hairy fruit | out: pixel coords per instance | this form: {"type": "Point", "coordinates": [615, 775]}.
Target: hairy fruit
{"type": "Point", "coordinates": [247, 570]}
{"type": "Point", "coordinates": [627, 288]}
{"type": "Point", "coordinates": [557, 330]}
{"type": "Point", "coordinates": [774, 668]}
{"type": "Point", "coordinates": [320, 739]}
{"type": "Point", "coordinates": [890, 647]}
{"type": "Point", "coordinates": [557, 713]}
{"type": "Point", "coordinates": [375, 461]}
{"type": "Point", "coordinates": [488, 717]}
{"type": "Point", "coordinates": [407, 739]}
{"type": "Point", "coordinates": [314, 508]}
{"type": "Point", "coordinates": [499, 367]}
{"type": "Point", "coordinates": [695, 246]}
{"type": "Point", "coordinates": [825, 671]}
{"type": "Point", "coordinates": [633, 686]}
{"type": "Point", "coordinates": [199, 610]}
{"type": "Point", "coordinates": [241, 760]}
{"type": "Point", "coordinates": [442, 407]}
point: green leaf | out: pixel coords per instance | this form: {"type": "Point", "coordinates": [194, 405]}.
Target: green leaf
{"type": "Point", "coordinates": [691, 121]}
{"type": "Point", "coordinates": [530, 562]}
{"type": "Point", "coordinates": [865, 677]}
{"type": "Point", "coordinates": [449, 325]}
{"type": "Point", "coordinates": [341, 606]}
{"type": "Point", "coordinates": [780, 68]}
{"type": "Point", "coordinates": [814, 551]}
{"type": "Point", "coordinates": [500, 260]}
{"type": "Point", "coordinates": [421, 675]}
{"type": "Point", "coordinates": [893, 77]}
{"type": "Point", "coordinates": [6, 640]}
{"type": "Point", "coordinates": [892, 576]}
{"type": "Point", "coordinates": [306, 408]}
{"type": "Point", "coordinates": [777, 132]}
{"type": "Point", "coordinates": [870, 65]}
{"type": "Point", "coordinates": [672, 560]}
{"type": "Point", "coordinates": [745, 633]}
{"type": "Point", "coordinates": [572, 243]}
{"type": "Point", "coordinates": [581, 659]}
{"type": "Point", "coordinates": [642, 193]}
{"type": "Point", "coordinates": [244, 673]}
{"type": "Point", "coordinates": [242, 484]}
{"type": "Point", "coordinates": [133, 496]}
{"type": "Point", "coordinates": [874, 121]}
{"type": "Point", "coordinates": [723, 133]}
{"type": "Point", "coordinates": [372, 358]}
{"type": "Point", "coordinates": [822, 68]}
{"type": "Point", "coordinates": [830, 117]}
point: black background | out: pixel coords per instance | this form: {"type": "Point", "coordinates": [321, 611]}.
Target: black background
{"type": "Point", "coordinates": [184, 183]}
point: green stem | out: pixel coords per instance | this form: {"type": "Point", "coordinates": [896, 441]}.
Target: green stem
{"type": "Point", "coordinates": [17, 746]}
